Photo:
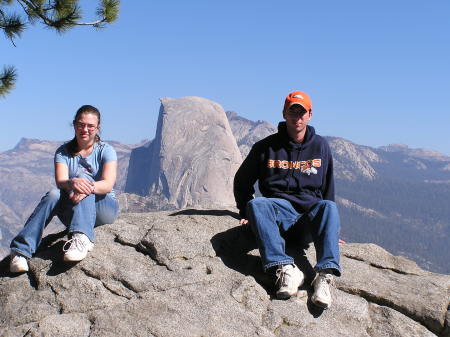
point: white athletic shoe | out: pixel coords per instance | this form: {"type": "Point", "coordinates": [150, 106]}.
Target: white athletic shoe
{"type": "Point", "coordinates": [289, 278]}
{"type": "Point", "coordinates": [322, 290]}
{"type": "Point", "coordinates": [77, 248]}
{"type": "Point", "coordinates": [18, 263]}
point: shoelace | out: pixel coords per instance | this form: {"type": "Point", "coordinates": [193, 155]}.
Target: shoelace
{"type": "Point", "coordinates": [327, 278]}
{"type": "Point", "coordinates": [281, 277]}
{"type": "Point", "coordinates": [75, 242]}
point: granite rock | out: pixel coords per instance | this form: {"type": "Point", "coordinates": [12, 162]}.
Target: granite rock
{"type": "Point", "coordinates": [192, 160]}
{"type": "Point", "coordinates": [196, 272]}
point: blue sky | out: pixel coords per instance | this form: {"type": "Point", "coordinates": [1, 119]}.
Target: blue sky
{"type": "Point", "coordinates": [378, 72]}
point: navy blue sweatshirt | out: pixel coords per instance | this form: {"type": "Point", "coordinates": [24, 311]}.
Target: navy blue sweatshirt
{"type": "Point", "coordinates": [301, 173]}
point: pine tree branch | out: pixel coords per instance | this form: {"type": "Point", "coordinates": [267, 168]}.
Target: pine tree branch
{"type": "Point", "coordinates": [7, 80]}
{"type": "Point", "coordinates": [60, 15]}
{"type": "Point", "coordinates": [11, 25]}
{"type": "Point", "coordinates": [35, 11]}
{"type": "Point", "coordinates": [63, 15]}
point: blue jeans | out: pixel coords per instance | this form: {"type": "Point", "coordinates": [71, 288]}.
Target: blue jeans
{"type": "Point", "coordinates": [94, 210]}
{"type": "Point", "coordinates": [270, 218]}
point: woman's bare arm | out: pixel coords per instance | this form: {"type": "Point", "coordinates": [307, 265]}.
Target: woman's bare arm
{"type": "Point", "coordinates": [62, 180]}
{"type": "Point", "coordinates": [108, 179]}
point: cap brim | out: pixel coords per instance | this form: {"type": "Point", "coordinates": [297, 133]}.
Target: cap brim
{"type": "Point", "coordinates": [294, 103]}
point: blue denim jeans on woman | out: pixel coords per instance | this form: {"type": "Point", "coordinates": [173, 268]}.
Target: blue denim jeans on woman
{"type": "Point", "coordinates": [94, 210]}
{"type": "Point", "coordinates": [270, 218]}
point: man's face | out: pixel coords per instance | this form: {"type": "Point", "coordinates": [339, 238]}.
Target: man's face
{"type": "Point", "coordinates": [297, 118]}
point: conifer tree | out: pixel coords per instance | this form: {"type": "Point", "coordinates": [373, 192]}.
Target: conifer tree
{"type": "Point", "coordinates": [60, 15]}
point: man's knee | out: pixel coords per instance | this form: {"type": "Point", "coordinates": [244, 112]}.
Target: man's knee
{"type": "Point", "coordinates": [258, 203]}
{"type": "Point", "coordinates": [328, 205]}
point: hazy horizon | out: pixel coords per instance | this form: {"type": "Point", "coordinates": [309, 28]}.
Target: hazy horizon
{"type": "Point", "coordinates": [151, 138]}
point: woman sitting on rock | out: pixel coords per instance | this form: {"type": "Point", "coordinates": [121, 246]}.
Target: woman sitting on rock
{"type": "Point", "coordinates": [85, 173]}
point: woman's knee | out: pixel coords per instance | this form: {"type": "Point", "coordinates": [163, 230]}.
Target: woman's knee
{"type": "Point", "coordinates": [105, 217]}
{"type": "Point", "coordinates": [53, 195]}
{"type": "Point", "coordinates": [106, 211]}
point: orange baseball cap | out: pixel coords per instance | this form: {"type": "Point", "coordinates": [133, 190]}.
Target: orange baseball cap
{"type": "Point", "coordinates": [298, 97]}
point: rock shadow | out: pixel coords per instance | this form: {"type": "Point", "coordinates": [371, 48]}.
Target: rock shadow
{"type": "Point", "coordinates": [213, 212]}
{"type": "Point", "coordinates": [4, 268]}
{"type": "Point", "coordinates": [236, 249]}
{"type": "Point", "coordinates": [51, 248]}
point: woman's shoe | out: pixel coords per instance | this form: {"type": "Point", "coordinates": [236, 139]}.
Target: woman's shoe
{"type": "Point", "coordinates": [18, 263]}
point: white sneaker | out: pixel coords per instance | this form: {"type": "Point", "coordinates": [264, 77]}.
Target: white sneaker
{"type": "Point", "coordinates": [289, 278]}
{"type": "Point", "coordinates": [322, 292]}
{"type": "Point", "coordinates": [77, 248]}
{"type": "Point", "coordinates": [18, 263]}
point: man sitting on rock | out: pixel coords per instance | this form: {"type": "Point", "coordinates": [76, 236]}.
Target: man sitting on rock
{"type": "Point", "coordinates": [294, 169]}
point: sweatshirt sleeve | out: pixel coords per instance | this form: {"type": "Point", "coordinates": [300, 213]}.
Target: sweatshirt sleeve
{"type": "Point", "coordinates": [245, 178]}
{"type": "Point", "coordinates": [328, 184]}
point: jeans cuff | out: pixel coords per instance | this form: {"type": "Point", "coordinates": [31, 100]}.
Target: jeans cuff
{"type": "Point", "coordinates": [336, 269]}
{"type": "Point", "coordinates": [18, 252]}
{"type": "Point", "coordinates": [278, 263]}
{"type": "Point", "coordinates": [91, 236]}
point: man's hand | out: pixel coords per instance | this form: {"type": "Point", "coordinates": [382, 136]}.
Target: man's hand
{"type": "Point", "coordinates": [243, 222]}
{"type": "Point", "coordinates": [82, 186]}
{"type": "Point", "coordinates": [76, 197]}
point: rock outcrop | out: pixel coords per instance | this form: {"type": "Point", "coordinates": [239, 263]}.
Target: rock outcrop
{"type": "Point", "coordinates": [192, 160]}
{"type": "Point", "coordinates": [195, 273]}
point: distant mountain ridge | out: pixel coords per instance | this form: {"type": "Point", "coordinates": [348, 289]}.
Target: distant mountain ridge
{"type": "Point", "coordinates": [393, 195]}
{"type": "Point", "coordinates": [248, 132]}
{"type": "Point", "coordinates": [418, 153]}
{"type": "Point", "coordinates": [397, 197]}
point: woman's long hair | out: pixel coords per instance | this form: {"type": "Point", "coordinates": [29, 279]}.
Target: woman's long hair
{"type": "Point", "coordinates": [72, 145]}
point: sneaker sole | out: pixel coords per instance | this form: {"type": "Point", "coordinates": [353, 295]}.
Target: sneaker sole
{"type": "Point", "coordinates": [284, 295]}
{"type": "Point", "coordinates": [321, 304]}
{"type": "Point", "coordinates": [18, 270]}
{"type": "Point", "coordinates": [68, 259]}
